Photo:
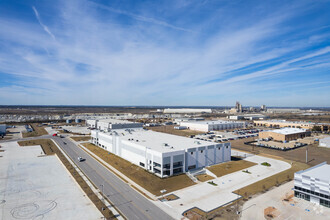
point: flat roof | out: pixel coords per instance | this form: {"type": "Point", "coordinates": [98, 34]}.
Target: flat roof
{"type": "Point", "coordinates": [213, 122]}
{"type": "Point", "coordinates": [116, 121]}
{"type": "Point", "coordinates": [288, 122]}
{"type": "Point", "coordinates": [288, 130]}
{"type": "Point", "coordinates": [159, 141]}
{"type": "Point", "coordinates": [321, 171]}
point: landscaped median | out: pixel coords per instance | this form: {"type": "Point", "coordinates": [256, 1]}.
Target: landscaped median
{"type": "Point", "coordinates": [204, 177]}
{"type": "Point", "coordinates": [140, 176]}
{"type": "Point", "coordinates": [230, 167]}
{"type": "Point", "coordinates": [81, 138]}
{"type": "Point", "coordinates": [50, 148]}
{"type": "Point", "coordinates": [275, 180]}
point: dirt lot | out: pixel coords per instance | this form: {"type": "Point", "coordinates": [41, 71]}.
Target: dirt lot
{"type": "Point", "coordinates": [230, 167]}
{"type": "Point", "coordinates": [142, 177]}
{"type": "Point", "coordinates": [37, 131]}
{"type": "Point", "coordinates": [316, 155]}
{"type": "Point", "coordinates": [170, 130]}
{"type": "Point", "coordinates": [81, 138]}
{"type": "Point", "coordinates": [50, 148]}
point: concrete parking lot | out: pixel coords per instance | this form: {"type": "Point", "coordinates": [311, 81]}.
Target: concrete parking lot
{"type": "Point", "coordinates": [36, 186]}
{"type": "Point", "coordinates": [15, 132]}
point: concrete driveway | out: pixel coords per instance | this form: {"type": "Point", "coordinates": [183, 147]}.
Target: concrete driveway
{"type": "Point", "coordinates": [208, 197]}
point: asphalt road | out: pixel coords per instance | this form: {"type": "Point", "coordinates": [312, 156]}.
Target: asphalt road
{"type": "Point", "coordinates": [122, 196]}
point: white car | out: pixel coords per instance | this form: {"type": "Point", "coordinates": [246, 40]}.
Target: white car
{"type": "Point", "coordinates": [80, 159]}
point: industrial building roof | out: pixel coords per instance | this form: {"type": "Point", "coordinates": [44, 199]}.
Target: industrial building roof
{"type": "Point", "coordinates": [213, 122]}
{"type": "Point", "coordinates": [321, 171]}
{"type": "Point", "coordinates": [287, 131]}
{"type": "Point", "coordinates": [289, 122]}
{"type": "Point", "coordinates": [158, 141]}
{"type": "Point", "coordinates": [115, 121]}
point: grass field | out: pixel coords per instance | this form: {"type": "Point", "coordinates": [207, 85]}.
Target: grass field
{"type": "Point", "coordinates": [50, 148]}
{"type": "Point", "coordinates": [230, 167]}
{"type": "Point", "coordinates": [147, 180]}
{"type": "Point", "coordinates": [37, 131]}
{"type": "Point", "coordinates": [81, 138]}
{"type": "Point", "coordinates": [170, 130]}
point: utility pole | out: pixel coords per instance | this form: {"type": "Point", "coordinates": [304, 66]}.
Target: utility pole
{"type": "Point", "coordinates": [306, 154]}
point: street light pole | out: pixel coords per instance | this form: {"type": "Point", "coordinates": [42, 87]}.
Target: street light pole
{"type": "Point", "coordinates": [102, 197]}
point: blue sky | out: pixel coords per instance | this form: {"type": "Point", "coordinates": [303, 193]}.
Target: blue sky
{"type": "Point", "coordinates": [176, 52]}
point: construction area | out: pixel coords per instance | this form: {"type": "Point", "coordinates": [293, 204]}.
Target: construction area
{"type": "Point", "coordinates": [220, 191]}
{"type": "Point", "coordinates": [279, 203]}
{"type": "Point", "coordinates": [38, 186]}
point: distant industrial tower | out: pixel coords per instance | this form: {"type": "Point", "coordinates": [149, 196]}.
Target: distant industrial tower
{"type": "Point", "coordinates": [238, 107]}
{"type": "Point", "coordinates": [263, 108]}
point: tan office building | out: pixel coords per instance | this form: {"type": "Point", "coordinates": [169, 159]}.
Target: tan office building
{"type": "Point", "coordinates": [284, 134]}
{"type": "Point", "coordinates": [284, 123]}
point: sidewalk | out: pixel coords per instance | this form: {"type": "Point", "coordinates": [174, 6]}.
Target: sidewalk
{"type": "Point", "coordinates": [118, 173]}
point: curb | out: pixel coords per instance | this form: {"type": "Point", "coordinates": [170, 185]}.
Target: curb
{"type": "Point", "coordinates": [120, 175]}
{"type": "Point", "coordinates": [91, 185]}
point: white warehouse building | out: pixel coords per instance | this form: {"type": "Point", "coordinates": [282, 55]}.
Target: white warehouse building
{"type": "Point", "coordinates": [207, 126]}
{"type": "Point", "coordinates": [324, 142]}
{"type": "Point", "coordinates": [160, 153]}
{"type": "Point", "coordinates": [313, 184]}
{"type": "Point", "coordinates": [3, 129]}
{"type": "Point", "coordinates": [108, 124]}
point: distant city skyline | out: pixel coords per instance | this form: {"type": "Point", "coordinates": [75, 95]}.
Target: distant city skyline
{"type": "Point", "coordinates": [165, 53]}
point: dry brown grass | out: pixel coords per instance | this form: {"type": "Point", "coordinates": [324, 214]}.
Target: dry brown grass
{"type": "Point", "coordinates": [81, 138]}
{"type": "Point", "coordinates": [37, 131]}
{"type": "Point", "coordinates": [204, 177]}
{"type": "Point", "coordinates": [170, 130]}
{"type": "Point", "coordinates": [230, 167]}
{"type": "Point", "coordinates": [147, 180]}
{"type": "Point", "coordinates": [170, 197]}
{"type": "Point", "coordinates": [50, 148]}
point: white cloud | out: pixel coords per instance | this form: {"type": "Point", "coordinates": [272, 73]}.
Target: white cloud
{"type": "Point", "coordinates": [99, 61]}
{"type": "Point", "coordinates": [42, 25]}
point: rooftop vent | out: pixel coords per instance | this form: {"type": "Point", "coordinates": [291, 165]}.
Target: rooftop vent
{"type": "Point", "coordinates": [165, 144]}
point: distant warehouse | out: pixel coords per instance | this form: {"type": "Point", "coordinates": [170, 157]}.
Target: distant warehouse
{"type": "Point", "coordinates": [3, 129]}
{"type": "Point", "coordinates": [186, 110]}
{"type": "Point", "coordinates": [108, 124]}
{"type": "Point", "coordinates": [284, 134]}
{"type": "Point", "coordinates": [207, 126]}
{"type": "Point", "coordinates": [162, 154]}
